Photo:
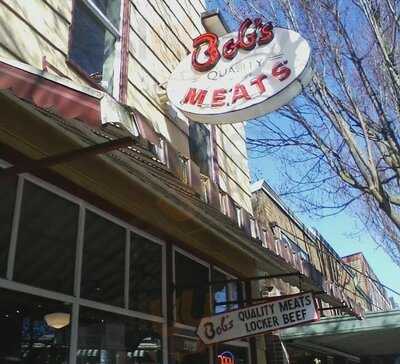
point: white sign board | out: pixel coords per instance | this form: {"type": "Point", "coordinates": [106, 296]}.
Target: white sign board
{"type": "Point", "coordinates": [258, 319]}
{"type": "Point", "coordinates": [251, 84]}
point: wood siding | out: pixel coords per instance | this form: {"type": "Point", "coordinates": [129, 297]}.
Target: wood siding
{"type": "Point", "coordinates": [160, 35]}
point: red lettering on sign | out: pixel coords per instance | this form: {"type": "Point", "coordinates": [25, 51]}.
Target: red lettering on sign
{"type": "Point", "coordinates": [246, 41]}
{"type": "Point", "coordinates": [225, 360]}
{"type": "Point", "coordinates": [230, 49]}
{"type": "Point", "coordinates": [266, 34]}
{"type": "Point", "coordinates": [211, 41]}
{"type": "Point", "coordinates": [219, 97]}
{"type": "Point", "coordinates": [261, 35]}
{"type": "Point", "coordinates": [192, 97]}
{"type": "Point", "coordinates": [258, 81]}
{"type": "Point", "coordinates": [240, 92]}
{"type": "Point", "coordinates": [280, 71]}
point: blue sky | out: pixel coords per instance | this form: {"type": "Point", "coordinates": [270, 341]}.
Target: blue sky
{"type": "Point", "coordinates": [342, 231]}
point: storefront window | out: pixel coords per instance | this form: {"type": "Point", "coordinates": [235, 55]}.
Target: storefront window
{"type": "Point", "coordinates": [220, 292]}
{"type": "Point", "coordinates": [190, 351]}
{"type": "Point", "coordinates": [200, 147]}
{"type": "Point", "coordinates": [192, 290]}
{"type": "Point", "coordinates": [34, 330]}
{"type": "Point", "coordinates": [103, 262]}
{"type": "Point", "coordinates": [224, 292]}
{"type": "Point", "coordinates": [8, 187]}
{"type": "Point", "coordinates": [145, 288]}
{"type": "Point", "coordinates": [109, 338]}
{"type": "Point", "coordinates": [45, 255]}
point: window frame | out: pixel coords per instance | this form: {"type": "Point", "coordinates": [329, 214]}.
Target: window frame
{"type": "Point", "coordinates": [117, 33]}
{"type": "Point", "coordinates": [75, 298]}
{"type": "Point", "coordinates": [175, 249]}
{"type": "Point", "coordinates": [230, 298]}
{"type": "Point", "coordinates": [210, 150]}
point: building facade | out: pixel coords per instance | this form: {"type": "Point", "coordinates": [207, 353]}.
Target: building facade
{"type": "Point", "coordinates": [351, 275]}
{"type": "Point", "coordinates": [367, 284]}
{"type": "Point", "coordinates": [118, 214]}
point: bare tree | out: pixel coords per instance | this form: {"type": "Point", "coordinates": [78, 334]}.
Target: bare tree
{"type": "Point", "coordinates": [339, 140]}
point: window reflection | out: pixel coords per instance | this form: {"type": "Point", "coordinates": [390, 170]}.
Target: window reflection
{"type": "Point", "coordinates": [190, 351]}
{"type": "Point", "coordinates": [145, 276]}
{"type": "Point", "coordinates": [225, 292]}
{"type": "Point", "coordinates": [26, 336]}
{"type": "Point", "coordinates": [220, 292]}
{"type": "Point", "coordinates": [109, 338]}
{"type": "Point", "coordinates": [192, 290]}
{"type": "Point", "coordinates": [200, 147]}
{"type": "Point", "coordinates": [103, 261]}
{"type": "Point", "coordinates": [92, 46]}
{"type": "Point", "coordinates": [47, 234]}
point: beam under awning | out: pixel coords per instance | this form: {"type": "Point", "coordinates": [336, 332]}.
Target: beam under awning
{"type": "Point", "coordinates": [38, 164]}
{"type": "Point", "coordinates": [377, 334]}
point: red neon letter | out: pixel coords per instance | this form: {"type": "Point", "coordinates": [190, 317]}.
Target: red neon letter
{"type": "Point", "coordinates": [248, 41]}
{"type": "Point", "coordinates": [258, 81]}
{"type": "Point", "coordinates": [280, 71]}
{"type": "Point", "coordinates": [192, 97]}
{"type": "Point", "coordinates": [230, 49]}
{"type": "Point", "coordinates": [211, 40]}
{"type": "Point", "coordinates": [218, 98]}
{"type": "Point", "coordinates": [240, 92]}
{"type": "Point", "coordinates": [266, 34]}
{"type": "Point", "coordinates": [224, 360]}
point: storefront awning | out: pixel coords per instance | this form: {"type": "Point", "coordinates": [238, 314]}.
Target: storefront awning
{"type": "Point", "coordinates": [28, 84]}
{"type": "Point", "coordinates": [377, 334]}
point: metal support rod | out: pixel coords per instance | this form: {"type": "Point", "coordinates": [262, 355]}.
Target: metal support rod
{"type": "Point", "coordinates": [249, 301]}
{"type": "Point", "coordinates": [65, 157]}
{"type": "Point", "coordinates": [248, 279]}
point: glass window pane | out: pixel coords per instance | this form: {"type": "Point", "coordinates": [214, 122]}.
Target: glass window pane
{"type": "Point", "coordinates": [200, 147]}
{"type": "Point", "coordinates": [47, 234]}
{"type": "Point", "coordinates": [8, 188]}
{"type": "Point", "coordinates": [111, 9]}
{"type": "Point", "coordinates": [35, 330]}
{"type": "Point", "coordinates": [220, 292]}
{"type": "Point", "coordinates": [145, 288]}
{"type": "Point", "coordinates": [223, 292]}
{"type": "Point", "coordinates": [103, 262]}
{"type": "Point", "coordinates": [92, 46]}
{"type": "Point", "coordinates": [109, 338]}
{"type": "Point", "coordinates": [189, 351]}
{"type": "Point", "coordinates": [191, 289]}
{"type": "Point", "coordinates": [234, 294]}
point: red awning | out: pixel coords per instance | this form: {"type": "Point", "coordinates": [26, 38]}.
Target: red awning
{"type": "Point", "coordinates": [44, 93]}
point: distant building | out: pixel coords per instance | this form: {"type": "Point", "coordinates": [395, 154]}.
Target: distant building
{"type": "Point", "coordinates": [368, 284]}
{"type": "Point", "coordinates": [351, 279]}
{"type": "Point", "coordinates": [348, 274]}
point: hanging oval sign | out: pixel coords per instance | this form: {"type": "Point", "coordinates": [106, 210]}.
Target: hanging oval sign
{"type": "Point", "coordinates": [242, 75]}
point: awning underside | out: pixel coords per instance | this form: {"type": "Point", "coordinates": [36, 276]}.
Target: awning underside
{"type": "Point", "coordinates": [377, 334]}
